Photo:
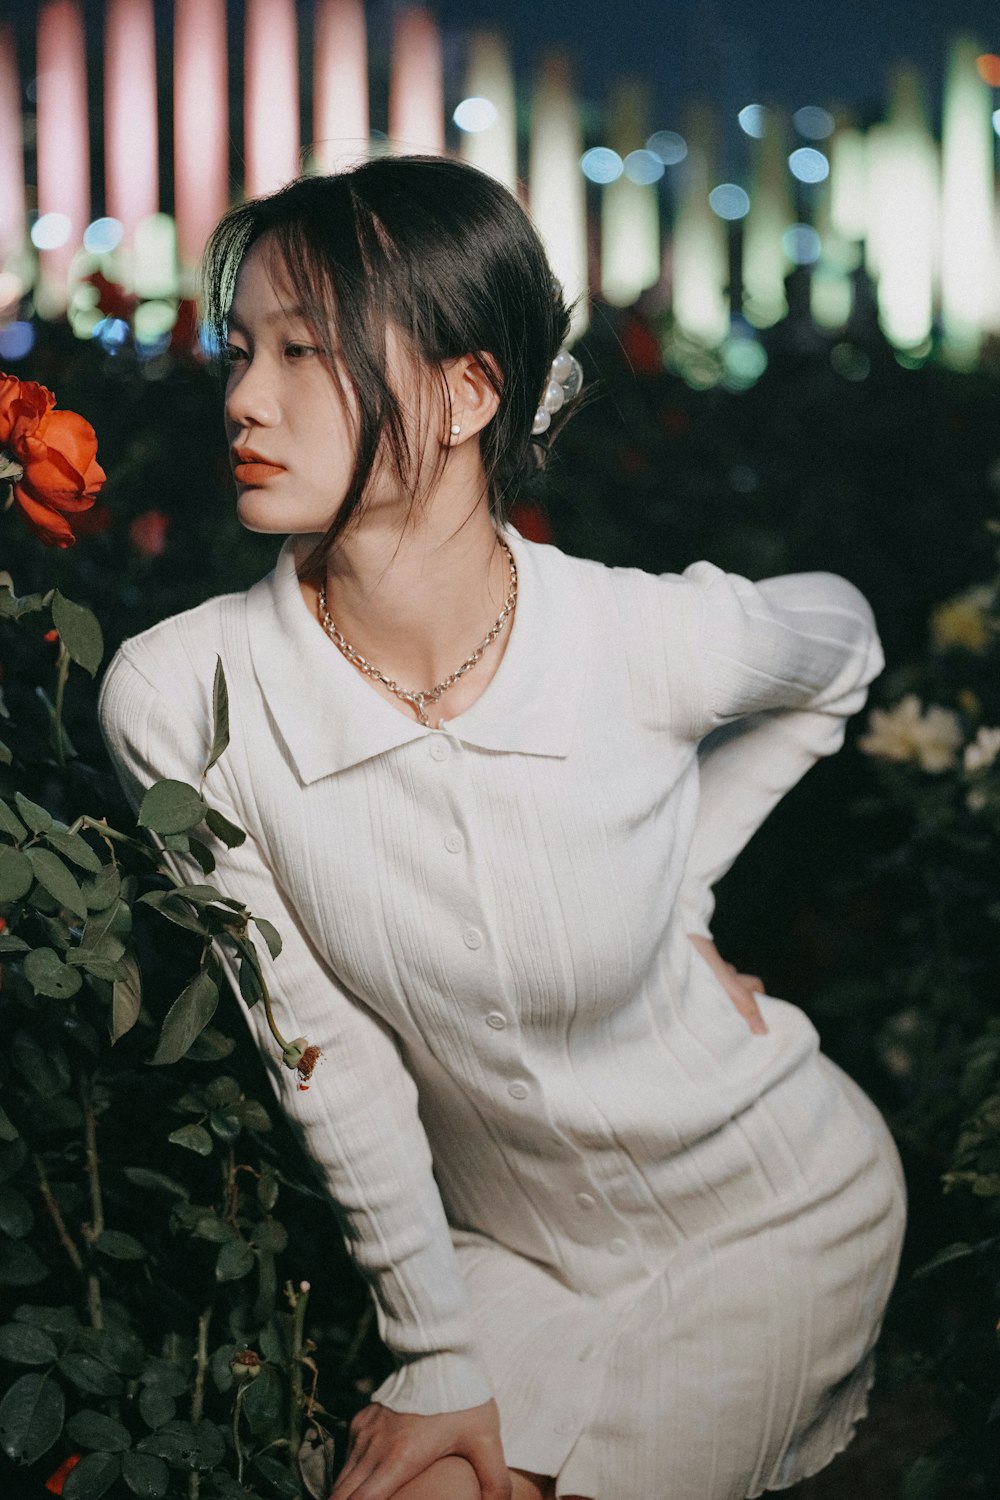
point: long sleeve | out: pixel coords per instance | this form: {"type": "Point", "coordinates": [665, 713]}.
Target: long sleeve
{"type": "Point", "coordinates": [777, 668]}
{"type": "Point", "coordinates": [359, 1120]}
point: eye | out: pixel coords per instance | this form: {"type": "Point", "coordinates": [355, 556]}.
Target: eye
{"type": "Point", "coordinates": [300, 351]}
{"type": "Point", "coordinates": [232, 354]}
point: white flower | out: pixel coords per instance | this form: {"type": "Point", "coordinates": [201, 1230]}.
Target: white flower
{"type": "Point", "coordinates": [983, 750]}
{"type": "Point", "coordinates": [908, 733]}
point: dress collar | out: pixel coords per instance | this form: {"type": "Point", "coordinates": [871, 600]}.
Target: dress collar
{"type": "Point", "coordinates": [331, 718]}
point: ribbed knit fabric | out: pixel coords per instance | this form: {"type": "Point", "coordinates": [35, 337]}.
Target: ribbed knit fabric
{"type": "Point", "coordinates": [572, 1175]}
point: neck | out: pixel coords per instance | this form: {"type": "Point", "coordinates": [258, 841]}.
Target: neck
{"type": "Point", "coordinates": [416, 605]}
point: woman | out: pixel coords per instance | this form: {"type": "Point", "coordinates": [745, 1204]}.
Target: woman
{"type": "Point", "coordinates": [629, 1233]}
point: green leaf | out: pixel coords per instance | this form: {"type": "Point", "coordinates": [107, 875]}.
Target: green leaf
{"type": "Point", "coordinates": [254, 1115]}
{"type": "Point", "coordinates": [79, 631]}
{"type": "Point", "coordinates": [171, 807]}
{"type": "Point", "coordinates": [119, 1246]}
{"type": "Point", "coordinates": [107, 929]}
{"type": "Point", "coordinates": [156, 1407]}
{"type": "Point", "coordinates": [212, 1046]}
{"type": "Point", "coordinates": [52, 874]}
{"type": "Point", "coordinates": [16, 1216]}
{"type": "Point", "coordinates": [103, 889]}
{"type": "Point", "coordinates": [11, 944]}
{"type": "Point", "coordinates": [6, 754]}
{"type": "Point", "coordinates": [31, 1418]}
{"type": "Point", "coordinates": [90, 1374]}
{"type": "Point", "coordinates": [37, 818]}
{"type": "Point", "coordinates": [235, 1260]}
{"type": "Point", "coordinates": [108, 969]}
{"type": "Point", "coordinates": [213, 1229]}
{"type": "Point", "coordinates": [226, 1124]}
{"type": "Point", "coordinates": [52, 1319]}
{"type": "Point", "coordinates": [201, 895]}
{"type": "Point", "coordinates": [24, 1345]}
{"type": "Point", "coordinates": [222, 1091]}
{"type": "Point", "coordinates": [189, 1015]}
{"type": "Point", "coordinates": [175, 910]}
{"type": "Point", "coordinates": [270, 1235]}
{"type": "Point", "coordinates": [146, 1475]}
{"type": "Point", "coordinates": [48, 975]}
{"type": "Point", "coordinates": [263, 1404]}
{"type": "Point", "coordinates": [219, 1364]}
{"type": "Point", "coordinates": [193, 1138]}
{"type": "Point", "coordinates": [230, 833]}
{"type": "Point", "coordinates": [15, 874]}
{"type": "Point", "coordinates": [164, 1375]}
{"type": "Point", "coordinates": [220, 714]}
{"type": "Point", "coordinates": [276, 1473]}
{"type": "Point", "coordinates": [270, 934]}
{"type": "Point", "coordinates": [148, 1177]}
{"type": "Point", "coordinates": [10, 824]}
{"type": "Point", "coordinates": [75, 848]}
{"type": "Point", "coordinates": [8, 1130]}
{"type": "Point", "coordinates": [92, 1477]}
{"type": "Point", "coordinates": [92, 1429]}
{"type": "Point", "coordinates": [185, 1445]}
{"type": "Point", "coordinates": [202, 854]}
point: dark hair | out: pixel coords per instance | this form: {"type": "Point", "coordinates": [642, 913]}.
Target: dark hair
{"type": "Point", "coordinates": [447, 254]}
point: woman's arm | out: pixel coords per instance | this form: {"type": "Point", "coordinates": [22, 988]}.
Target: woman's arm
{"type": "Point", "coordinates": [775, 669]}
{"type": "Point", "coordinates": [359, 1119]}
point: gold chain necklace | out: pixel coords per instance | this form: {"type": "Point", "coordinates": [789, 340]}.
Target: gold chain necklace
{"type": "Point", "coordinates": [428, 695]}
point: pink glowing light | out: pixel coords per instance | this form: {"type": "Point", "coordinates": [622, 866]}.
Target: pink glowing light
{"type": "Point", "coordinates": [340, 84]}
{"type": "Point", "coordinates": [132, 186]}
{"type": "Point", "coordinates": [271, 115]}
{"type": "Point", "coordinates": [11, 150]}
{"type": "Point", "coordinates": [416, 87]}
{"type": "Point", "coordinates": [201, 111]}
{"type": "Point", "coordinates": [63, 139]}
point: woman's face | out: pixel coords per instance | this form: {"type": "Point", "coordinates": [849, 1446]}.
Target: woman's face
{"type": "Point", "coordinates": [290, 430]}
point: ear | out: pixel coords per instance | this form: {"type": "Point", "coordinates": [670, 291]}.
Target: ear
{"type": "Point", "coordinates": [473, 399]}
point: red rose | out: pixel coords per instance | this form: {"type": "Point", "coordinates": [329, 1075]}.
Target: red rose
{"type": "Point", "coordinates": [55, 1481]}
{"type": "Point", "coordinates": [48, 457]}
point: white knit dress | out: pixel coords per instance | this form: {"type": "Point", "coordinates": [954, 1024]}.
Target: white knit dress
{"type": "Point", "coordinates": [572, 1175]}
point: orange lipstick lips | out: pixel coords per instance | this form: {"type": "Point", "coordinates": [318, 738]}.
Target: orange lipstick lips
{"type": "Point", "coordinates": [251, 468]}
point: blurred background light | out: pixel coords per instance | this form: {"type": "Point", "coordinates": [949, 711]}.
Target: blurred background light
{"type": "Point", "coordinates": [745, 361]}
{"type": "Point", "coordinates": [729, 201]}
{"type": "Point", "coordinates": [50, 231]}
{"type": "Point", "coordinates": [601, 164]}
{"type": "Point", "coordinates": [643, 167]}
{"type": "Point", "coordinates": [668, 146]}
{"type": "Point", "coordinates": [988, 68]}
{"type": "Point", "coordinates": [801, 244]}
{"type": "Point", "coordinates": [11, 288]}
{"type": "Point", "coordinates": [111, 333]}
{"type": "Point", "coordinates": [753, 120]}
{"type": "Point", "coordinates": [475, 114]}
{"type": "Point", "coordinates": [812, 122]}
{"type": "Point", "coordinates": [809, 165]}
{"type": "Point", "coordinates": [996, 121]}
{"type": "Point", "coordinates": [16, 340]}
{"type": "Point", "coordinates": [103, 235]}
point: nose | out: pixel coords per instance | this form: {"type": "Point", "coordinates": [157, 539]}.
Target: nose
{"type": "Point", "coordinates": [250, 398]}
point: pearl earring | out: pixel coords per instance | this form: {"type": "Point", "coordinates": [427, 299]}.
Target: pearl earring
{"type": "Point", "coordinates": [456, 429]}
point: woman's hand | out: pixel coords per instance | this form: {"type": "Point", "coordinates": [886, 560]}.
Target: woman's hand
{"type": "Point", "coordinates": [739, 987]}
{"type": "Point", "coordinates": [389, 1448]}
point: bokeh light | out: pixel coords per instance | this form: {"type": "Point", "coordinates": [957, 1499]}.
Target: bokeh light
{"type": "Point", "coordinates": [753, 120]}
{"type": "Point", "coordinates": [16, 340]}
{"type": "Point", "coordinates": [111, 333]}
{"type": "Point", "coordinates": [996, 121]}
{"type": "Point", "coordinates": [729, 201]}
{"type": "Point", "coordinates": [745, 362]}
{"type": "Point", "coordinates": [809, 165]}
{"type": "Point", "coordinates": [988, 68]}
{"type": "Point", "coordinates": [50, 231]}
{"type": "Point", "coordinates": [153, 319]}
{"type": "Point", "coordinates": [668, 146]}
{"type": "Point", "coordinates": [601, 164]}
{"type": "Point", "coordinates": [802, 245]}
{"type": "Point", "coordinates": [643, 167]}
{"type": "Point", "coordinates": [812, 122]}
{"type": "Point", "coordinates": [475, 114]}
{"type": "Point", "coordinates": [103, 235]}
{"type": "Point", "coordinates": [850, 362]}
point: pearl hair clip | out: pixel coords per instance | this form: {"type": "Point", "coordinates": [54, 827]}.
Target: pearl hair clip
{"type": "Point", "coordinates": [564, 382]}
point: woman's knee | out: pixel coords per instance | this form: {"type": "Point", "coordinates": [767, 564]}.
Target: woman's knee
{"type": "Point", "coordinates": [455, 1479]}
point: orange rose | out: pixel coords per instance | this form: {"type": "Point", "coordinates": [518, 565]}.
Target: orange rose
{"type": "Point", "coordinates": [48, 457]}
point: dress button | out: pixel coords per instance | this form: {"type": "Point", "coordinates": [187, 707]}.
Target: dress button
{"type": "Point", "coordinates": [439, 750]}
{"type": "Point", "coordinates": [586, 1200]}
{"type": "Point", "coordinates": [518, 1090]}
{"type": "Point", "coordinates": [472, 937]}
{"type": "Point", "coordinates": [618, 1247]}
{"type": "Point", "coordinates": [496, 1020]}
{"type": "Point", "coordinates": [453, 842]}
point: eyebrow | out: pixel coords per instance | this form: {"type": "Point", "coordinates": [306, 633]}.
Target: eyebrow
{"type": "Point", "coordinates": [233, 320]}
